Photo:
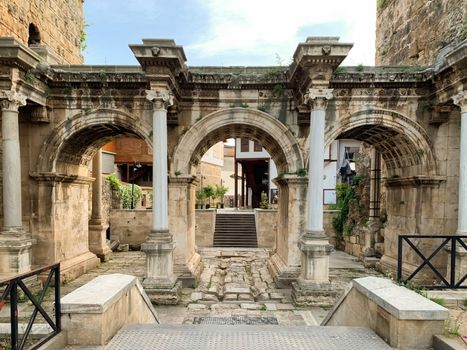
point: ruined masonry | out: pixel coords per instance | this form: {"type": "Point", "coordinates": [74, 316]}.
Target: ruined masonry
{"type": "Point", "coordinates": [55, 118]}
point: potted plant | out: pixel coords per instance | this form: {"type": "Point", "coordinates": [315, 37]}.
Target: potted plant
{"type": "Point", "coordinates": [220, 193]}
{"type": "Point", "coordinates": [209, 193]}
{"type": "Point", "coordinates": [200, 198]}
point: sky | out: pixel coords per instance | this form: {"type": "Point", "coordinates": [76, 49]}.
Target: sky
{"type": "Point", "coordinates": [227, 32]}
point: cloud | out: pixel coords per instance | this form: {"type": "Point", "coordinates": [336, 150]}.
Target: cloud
{"type": "Point", "coordinates": [264, 27]}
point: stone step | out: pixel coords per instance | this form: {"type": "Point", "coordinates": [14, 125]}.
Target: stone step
{"type": "Point", "coordinates": [258, 337]}
{"type": "Point", "coordinates": [235, 230]}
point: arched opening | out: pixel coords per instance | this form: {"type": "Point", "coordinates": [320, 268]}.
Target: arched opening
{"type": "Point", "coordinates": [67, 174]}
{"type": "Point", "coordinates": [34, 37]}
{"type": "Point", "coordinates": [284, 150]}
{"type": "Point", "coordinates": [396, 189]}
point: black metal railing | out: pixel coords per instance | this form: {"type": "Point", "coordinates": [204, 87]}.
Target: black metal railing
{"type": "Point", "coordinates": [450, 242]}
{"type": "Point", "coordinates": [13, 286]}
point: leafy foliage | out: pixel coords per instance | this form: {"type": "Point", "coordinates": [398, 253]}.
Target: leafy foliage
{"type": "Point", "coordinates": [220, 192]}
{"type": "Point", "coordinates": [130, 195]}
{"type": "Point", "coordinates": [264, 204]}
{"type": "Point", "coordinates": [345, 195]}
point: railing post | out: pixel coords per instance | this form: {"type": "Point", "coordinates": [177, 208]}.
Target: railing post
{"type": "Point", "coordinates": [58, 310]}
{"type": "Point", "coordinates": [399, 259]}
{"type": "Point", "coordinates": [453, 262]}
{"type": "Point", "coordinates": [14, 315]}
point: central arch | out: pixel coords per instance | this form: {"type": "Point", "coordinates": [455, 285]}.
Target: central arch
{"type": "Point", "coordinates": [274, 136]}
{"type": "Point", "coordinates": [286, 153]}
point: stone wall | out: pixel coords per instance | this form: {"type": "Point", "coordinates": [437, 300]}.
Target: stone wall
{"type": "Point", "coordinates": [60, 24]}
{"type": "Point", "coordinates": [328, 215]}
{"type": "Point", "coordinates": [266, 227]}
{"type": "Point", "coordinates": [205, 225]}
{"type": "Point", "coordinates": [413, 31]}
{"type": "Point", "coordinates": [130, 226]}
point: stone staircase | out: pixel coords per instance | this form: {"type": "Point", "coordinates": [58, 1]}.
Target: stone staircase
{"type": "Point", "coordinates": [235, 230]}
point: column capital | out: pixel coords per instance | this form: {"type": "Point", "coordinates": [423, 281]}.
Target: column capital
{"type": "Point", "coordinates": [317, 98]}
{"type": "Point", "coordinates": [161, 100]}
{"type": "Point", "coordinates": [461, 100]}
{"type": "Point", "coordinates": [11, 100]}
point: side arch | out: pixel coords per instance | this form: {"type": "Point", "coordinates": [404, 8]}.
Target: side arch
{"type": "Point", "coordinates": [404, 144]}
{"type": "Point", "coordinates": [74, 141]}
{"type": "Point", "coordinates": [274, 136]}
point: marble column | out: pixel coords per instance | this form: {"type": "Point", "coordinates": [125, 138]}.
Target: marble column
{"type": "Point", "coordinates": [461, 260]}
{"type": "Point", "coordinates": [97, 228]}
{"type": "Point", "coordinates": [314, 245]}
{"type": "Point", "coordinates": [15, 242]}
{"type": "Point", "coordinates": [461, 101]}
{"type": "Point", "coordinates": [159, 245]}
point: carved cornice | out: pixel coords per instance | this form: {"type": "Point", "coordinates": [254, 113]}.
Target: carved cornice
{"type": "Point", "coordinates": [55, 178]}
{"type": "Point", "coordinates": [161, 100]}
{"type": "Point", "coordinates": [461, 101]}
{"type": "Point", "coordinates": [318, 98]}
{"type": "Point", "coordinates": [11, 100]}
{"type": "Point", "coordinates": [415, 181]}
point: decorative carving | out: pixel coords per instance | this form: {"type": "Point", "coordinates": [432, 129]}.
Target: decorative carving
{"type": "Point", "coordinates": [461, 101]}
{"type": "Point", "coordinates": [326, 50]}
{"type": "Point", "coordinates": [317, 98]}
{"type": "Point", "coordinates": [155, 51]}
{"type": "Point", "coordinates": [160, 99]}
{"type": "Point", "coordinates": [12, 100]}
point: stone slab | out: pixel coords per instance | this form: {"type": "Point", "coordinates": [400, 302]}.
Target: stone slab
{"type": "Point", "coordinates": [399, 301]}
{"type": "Point", "coordinates": [225, 337]}
{"type": "Point", "coordinates": [98, 295]}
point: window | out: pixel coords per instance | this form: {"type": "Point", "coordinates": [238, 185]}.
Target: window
{"type": "Point", "coordinates": [34, 35]}
{"type": "Point", "coordinates": [257, 147]}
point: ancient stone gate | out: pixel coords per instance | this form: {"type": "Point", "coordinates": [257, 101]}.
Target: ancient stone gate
{"type": "Point", "coordinates": [55, 119]}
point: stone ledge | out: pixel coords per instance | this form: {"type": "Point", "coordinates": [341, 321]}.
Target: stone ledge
{"type": "Point", "coordinates": [399, 301]}
{"type": "Point", "coordinates": [98, 295]}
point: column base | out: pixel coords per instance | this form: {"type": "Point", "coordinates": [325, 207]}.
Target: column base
{"type": "Point", "coordinates": [163, 296]}
{"type": "Point", "coordinates": [282, 274]}
{"type": "Point", "coordinates": [97, 241]}
{"type": "Point", "coordinates": [77, 266]}
{"type": "Point", "coordinates": [315, 258]}
{"type": "Point", "coordinates": [15, 252]}
{"type": "Point", "coordinates": [159, 249]}
{"type": "Point", "coordinates": [189, 272]}
{"type": "Point", "coordinates": [308, 293]}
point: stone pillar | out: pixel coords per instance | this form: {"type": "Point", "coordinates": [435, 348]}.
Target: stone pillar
{"type": "Point", "coordinates": [160, 280]}
{"type": "Point", "coordinates": [461, 261]}
{"type": "Point", "coordinates": [314, 244]}
{"type": "Point", "coordinates": [15, 242]}
{"type": "Point", "coordinates": [97, 228]}
{"type": "Point", "coordinates": [284, 265]}
{"type": "Point", "coordinates": [371, 247]}
{"type": "Point", "coordinates": [187, 261]}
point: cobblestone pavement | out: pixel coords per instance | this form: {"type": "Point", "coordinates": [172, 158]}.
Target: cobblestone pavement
{"type": "Point", "coordinates": [237, 283]}
{"type": "Point", "coordinates": [234, 284]}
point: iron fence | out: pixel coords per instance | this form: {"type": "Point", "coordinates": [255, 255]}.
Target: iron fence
{"type": "Point", "coordinates": [12, 288]}
{"type": "Point", "coordinates": [451, 242]}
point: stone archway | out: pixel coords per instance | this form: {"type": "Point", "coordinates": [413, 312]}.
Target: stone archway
{"type": "Point", "coordinates": [284, 149]}
{"type": "Point", "coordinates": [404, 144]}
{"type": "Point", "coordinates": [275, 137]}
{"type": "Point", "coordinates": [74, 141]}
{"type": "Point", "coordinates": [62, 182]}
{"type": "Point", "coordinates": [411, 174]}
